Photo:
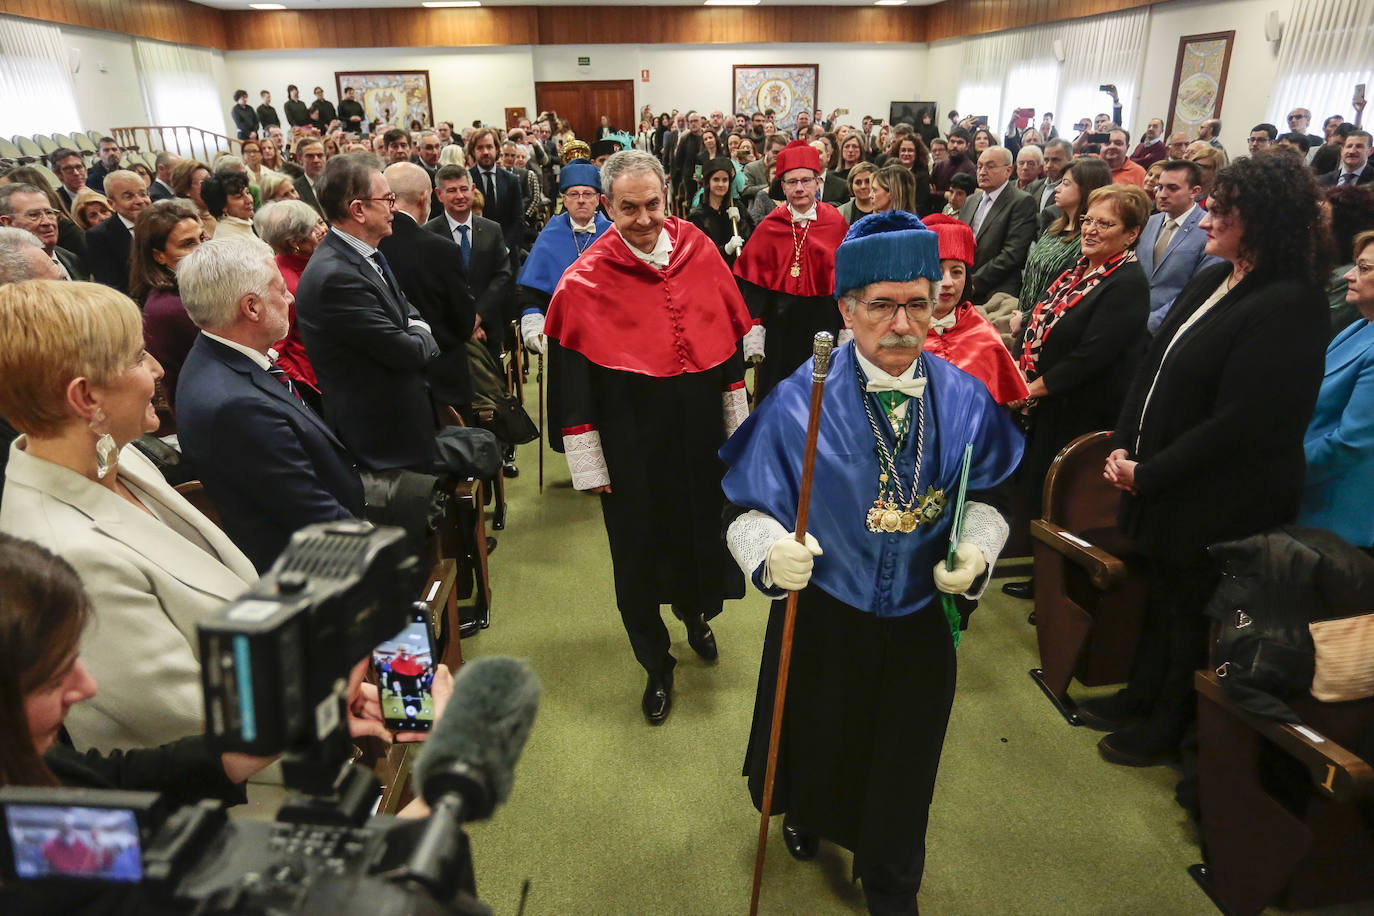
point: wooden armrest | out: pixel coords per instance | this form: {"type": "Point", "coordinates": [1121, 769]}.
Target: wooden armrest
{"type": "Point", "coordinates": [393, 770]}
{"type": "Point", "coordinates": [1104, 569]}
{"type": "Point", "coordinates": [1335, 771]}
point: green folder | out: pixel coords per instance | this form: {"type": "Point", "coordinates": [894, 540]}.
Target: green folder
{"type": "Point", "coordinates": [952, 612]}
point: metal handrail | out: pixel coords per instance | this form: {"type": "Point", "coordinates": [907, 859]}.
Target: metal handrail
{"type": "Point", "coordinates": [183, 139]}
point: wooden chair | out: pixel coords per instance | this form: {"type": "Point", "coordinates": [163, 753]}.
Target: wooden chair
{"type": "Point", "coordinates": [1089, 595]}
{"type": "Point", "coordinates": [1298, 842]}
{"type": "Point", "coordinates": [195, 494]}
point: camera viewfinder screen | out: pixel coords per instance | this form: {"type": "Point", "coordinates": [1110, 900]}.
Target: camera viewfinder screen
{"type": "Point", "coordinates": [95, 844]}
{"type": "Point", "coordinates": [405, 676]}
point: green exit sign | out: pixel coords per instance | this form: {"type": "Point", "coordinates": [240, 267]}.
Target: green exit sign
{"type": "Point", "coordinates": [584, 61]}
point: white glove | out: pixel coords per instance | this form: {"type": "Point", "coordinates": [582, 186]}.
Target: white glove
{"type": "Point", "coordinates": [753, 344]}
{"type": "Point", "coordinates": [732, 212]}
{"type": "Point", "coordinates": [846, 336]}
{"type": "Point", "coordinates": [532, 331]}
{"type": "Point", "coordinates": [969, 564]}
{"type": "Point", "coordinates": [788, 564]}
{"type": "Point", "coordinates": [734, 245]}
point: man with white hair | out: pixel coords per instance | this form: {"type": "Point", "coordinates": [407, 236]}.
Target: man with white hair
{"type": "Point", "coordinates": [22, 257]}
{"type": "Point", "coordinates": [161, 188]}
{"type": "Point", "coordinates": [25, 206]}
{"type": "Point", "coordinates": [1030, 165]}
{"type": "Point", "coordinates": [269, 464]}
{"type": "Point", "coordinates": [645, 326]}
{"type": "Point", "coordinates": [109, 243]}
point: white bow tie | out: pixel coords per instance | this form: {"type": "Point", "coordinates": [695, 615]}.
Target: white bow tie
{"type": "Point", "coordinates": [941, 325]}
{"type": "Point", "coordinates": [584, 230]}
{"type": "Point", "coordinates": [911, 387]}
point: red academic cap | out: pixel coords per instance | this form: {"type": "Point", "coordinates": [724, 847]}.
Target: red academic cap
{"type": "Point", "coordinates": [956, 238]}
{"type": "Point", "coordinates": [798, 155]}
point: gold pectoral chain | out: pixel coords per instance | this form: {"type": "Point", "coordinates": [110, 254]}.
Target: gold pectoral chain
{"type": "Point", "coordinates": [797, 247]}
{"type": "Point", "coordinates": [894, 510]}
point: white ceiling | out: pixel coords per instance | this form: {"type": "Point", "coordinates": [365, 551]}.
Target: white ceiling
{"type": "Point", "coordinates": [376, 4]}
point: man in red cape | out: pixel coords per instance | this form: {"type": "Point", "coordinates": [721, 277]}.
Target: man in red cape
{"type": "Point", "coordinates": [647, 325]}
{"type": "Point", "coordinates": [787, 271]}
{"type": "Point", "coordinates": [958, 332]}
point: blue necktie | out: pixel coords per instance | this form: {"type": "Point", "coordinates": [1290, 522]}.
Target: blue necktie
{"type": "Point", "coordinates": [465, 244]}
{"type": "Point", "coordinates": [278, 373]}
{"type": "Point", "coordinates": [380, 260]}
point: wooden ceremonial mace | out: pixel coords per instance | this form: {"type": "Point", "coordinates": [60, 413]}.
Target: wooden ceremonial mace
{"type": "Point", "coordinates": [820, 350]}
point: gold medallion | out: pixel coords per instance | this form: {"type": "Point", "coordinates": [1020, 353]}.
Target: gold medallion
{"type": "Point", "coordinates": [875, 517]}
{"type": "Point", "coordinates": [909, 522]}
{"type": "Point", "coordinates": [892, 520]}
{"type": "Point", "coordinates": [796, 270]}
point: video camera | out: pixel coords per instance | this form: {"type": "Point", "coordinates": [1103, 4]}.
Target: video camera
{"type": "Point", "coordinates": [273, 668]}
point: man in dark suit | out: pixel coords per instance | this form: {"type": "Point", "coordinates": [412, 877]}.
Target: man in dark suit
{"type": "Point", "coordinates": [368, 345]}
{"type": "Point", "coordinates": [161, 188]}
{"type": "Point", "coordinates": [1004, 224]}
{"type": "Point", "coordinates": [834, 189]}
{"type": "Point", "coordinates": [268, 463]}
{"type": "Point", "coordinates": [108, 244]}
{"type": "Point", "coordinates": [1355, 168]}
{"type": "Point", "coordinates": [70, 169]}
{"type": "Point", "coordinates": [26, 207]}
{"type": "Point", "coordinates": [310, 157]}
{"type": "Point", "coordinates": [434, 280]}
{"type": "Point", "coordinates": [504, 200]}
{"type": "Point", "coordinates": [107, 161]}
{"type": "Point", "coordinates": [491, 275]}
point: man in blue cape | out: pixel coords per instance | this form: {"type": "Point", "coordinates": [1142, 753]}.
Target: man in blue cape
{"type": "Point", "coordinates": [872, 662]}
{"type": "Point", "coordinates": [564, 239]}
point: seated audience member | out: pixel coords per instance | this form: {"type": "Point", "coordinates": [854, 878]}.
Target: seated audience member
{"type": "Point", "coordinates": [69, 235]}
{"type": "Point", "coordinates": [271, 155]}
{"type": "Point", "coordinates": [269, 463]}
{"type": "Point", "coordinates": [161, 188]}
{"type": "Point", "coordinates": [1355, 167]}
{"type": "Point", "coordinates": [107, 160]}
{"type": "Point", "coordinates": [1351, 211]}
{"type": "Point", "coordinates": [368, 345]}
{"type": "Point", "coordinates": [277, 186]}
{"type": "Point", "coordinates": [230, 203]}
{"type": "Point", "coordinates": [1209, 132]}
{"type": "Point", "coordinates": [434, 279]}
{"type": "Point", "coordinates": [142, 171]}
{"type": "Point", "coordinates": [24, 206]}
{"type": "Point", "coordinates": [1338, 484]}
{"type": "Point", "coordinates": [1172, 248]}
{"type": "Point", "coordinates": [711, 214]}
{"type": "Point", "coordinates": [860, 202]}
{"type": "Point", "coordinates": [294, 230]}
{"type": "Point", "coordinates": [76, 380]}
{"type": "Point", "coordinates": [1178, 145]}
{"type": "Point", "coordinates": [108, 244]}
{"type": "Point", "coordinates": [1004, 223]}
{"type": "Point", "coordinates": [165, 233]}
{"type": "Point", "coordinates": [187, 179]}
{"type": "Point", "coordinates": [251, 156]}
{"type": "Point", "coordinates": [311, 154]}
{"type": "Point", "coordinates": [1262, 136]}
{"type": "Point", "coordinates": [1060, 246]}
{"type": "Point", "coordinates": [1124, 171]}
{"type": "Point", "coordinates": [90, 208]}
{"type": "Point", "coordinates": [70, 170]}
{"type": "Point", "coordinates": [1083, 340]}
{"type": "Point", "coordinates": [1207, 388]}
{"type": "Point", "coordinates": [22, 257]}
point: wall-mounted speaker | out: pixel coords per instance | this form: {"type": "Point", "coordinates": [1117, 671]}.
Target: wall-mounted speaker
{"type": "Point", "coordinates": [1273, 27]}
{"type": "Point", "coordinates": [74, 60]}
{"type": "Point", "coordinates": [1058, 50]}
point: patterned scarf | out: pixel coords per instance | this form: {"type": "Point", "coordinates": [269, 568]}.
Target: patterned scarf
{"type": "Point", "coordinates": [1064, 293]}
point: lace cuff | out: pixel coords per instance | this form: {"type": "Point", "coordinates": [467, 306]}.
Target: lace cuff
{"type": "Point", "coordinates": [986, 529]}
{"type": "Point", "coordinates": [585, 460]}
{"type": "Point", "coordinates": [749, 538]}
{"type": "Point", "coordinates": [735, 404]}
{"type": "Point", "coordinates": [753, 344]}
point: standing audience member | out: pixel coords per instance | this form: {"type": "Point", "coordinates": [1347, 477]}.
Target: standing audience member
{"type": "Point", "coordinates": [107, 245]}
{"type": "Point", "coordinates": [958, 161]}
{"type": "Point", "coordinates": [860, 202]}
{"type": "Point", "coordinates": [487, 260]}
{"type": "Point", "coordinates": [76, 380]}
{"type": "Point", "coordinates": [269, 463]}
{"type": "Point", "coordinates": [894, 188]}
{"type": "Point", "coordinates": [711, 215]}
{"type": "Point", "coordinates": [914, 157]}
{"type": "Point", "coordinates": [294, 231]}
{"type": "Point", "coordinates": [1352, 212]}
{"type": "Point", "coordinates": [267, 115]}
{"type": "Point", "coordinates": [368, 345]}
{"type": "Point", "coordinates": [230, 203]}
{"type": "Point", "coordinates": [1339, 446]}
{"type": "Point", "coordinates": [1151, 148]}
{"type": "Point", "coordinates": [1057, 156]}
{"type": "Point", "coordinates": [1208, 387]}
{"type": "Point", "coordinates": [322, 114]}
{"type": "Point", "coordinates": [310, 154]}
{"type": "Point", "coordinates": [297, 114]}
{"type": "Point", "coordinates": [1124, 170]}
{"type": "Point", "coordinates": [503, 198]}
{"type": "Point", "coordinates": [1030, 166]}
{"type": "Point", "coordinates": [350, 111]}
{"type": "Point", "coordinates": [164, 234]}
{"type": "Point", "coordinates": [1210, 160]}
{"type": "Point", "coordinates": [1262, 136]}
{"type": "Point", "coordinates": [245, 118]}
{"type": "Point", "coordinates": [1355, 166]}
{"type": "Point", "coordinates": [1004, 223]}
{"type": "Point", "coordinates": [1172, 248]}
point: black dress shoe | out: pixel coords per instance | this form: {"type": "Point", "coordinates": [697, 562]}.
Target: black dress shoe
{"type": "Point", "coordinates": [1021, 590]}
{"type": "Point", "coordinates": [1137, 747]}
{"type": "Point", "coordinates": [510, 470]}
{"type": "Point", "coordinates": [700, 637]}
{"type": "Point", "coordinates": [802, 845]}
{"type": "Point", "coordinates": [658, 698]}
{"type": "Point", "coordinates": [1109, 713]}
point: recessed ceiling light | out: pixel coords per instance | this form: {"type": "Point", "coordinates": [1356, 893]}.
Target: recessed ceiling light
{"type": "Point", "coordinates": [266, 6]}
{"type": "Point", "coordinates": [889, 3]}
{"type": "Point", "coordinates": [732, 2]}
{"type": "Point", "coordinates": [449, 4]}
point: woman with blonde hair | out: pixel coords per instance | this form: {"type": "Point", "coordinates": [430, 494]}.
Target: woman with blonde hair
{"type": "Point", "coordinates": [271, 156]}
{"type": "Point", "coordinates": [277, 186]}
{"type": "Point", "coordinates": [90, 208]}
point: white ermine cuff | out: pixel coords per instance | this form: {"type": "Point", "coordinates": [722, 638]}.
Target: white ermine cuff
{"type": "Point", "coordinates": [585, 460]}
{"type": "Point", "coordinates": [753, 344]}
{"type": "Point", "coordinates": [986, 529]}
{"type": "Point", "coordinates": [749, 538]}
{"type": "Point", "coordinates": [735, 404]}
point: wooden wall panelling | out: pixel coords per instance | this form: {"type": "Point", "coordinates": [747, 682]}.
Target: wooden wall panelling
{"type": "Point", "coordinates": [561, 25]}
{"type": "Point", "coordinates": [380, 28]}
{"type": "Point", "coordinates": [959, 18]}
{"type": "Point", "coordinates": [166, 20]}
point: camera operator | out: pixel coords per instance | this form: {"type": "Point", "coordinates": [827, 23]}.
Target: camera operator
{"type": "Point", "coordinates": [43, 611]}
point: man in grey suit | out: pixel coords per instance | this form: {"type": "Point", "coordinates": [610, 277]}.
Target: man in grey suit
{"type": "Point", "coordinates": [756, 172]}
{"type": "Point", "coordinates": [1058, 155]}
{"type": "Point", "coordinates": [1004, 224]}
{"type": "Point", "coordinates": [1171, 249]}
{"type": "Point", "coordinates": [1355, 168]}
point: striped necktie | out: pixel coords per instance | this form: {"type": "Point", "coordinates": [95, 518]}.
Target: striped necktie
{"type": "Point", "coordinates": [278, 373]}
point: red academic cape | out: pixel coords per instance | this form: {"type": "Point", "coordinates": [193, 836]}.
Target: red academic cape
{"type": "Point", "coordinates": [975, 346]}
{"type": "Point", "coordinates": [766, 259]}
{"type": "Point", "coordinates": [621, 313]}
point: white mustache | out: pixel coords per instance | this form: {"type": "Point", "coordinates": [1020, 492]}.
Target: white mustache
{"type": "Point", "coordinates": [901, 341]}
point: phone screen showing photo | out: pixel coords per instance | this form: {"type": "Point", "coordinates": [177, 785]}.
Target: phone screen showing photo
{"type": "Point", "coordinates": [405, 677]}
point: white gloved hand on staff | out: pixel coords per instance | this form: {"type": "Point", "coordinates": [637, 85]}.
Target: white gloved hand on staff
{"type": "Point", "coordinates": [532, 331]}
{"type": "Point", "coordinates": [733, 213]}
{"type": "Point", "coordinates": [789, 563]}
{"type": "Point", "coordinates": [753, 344]}
{"type": "Point", "coordinates": [734, 245]}
{"type": "Point", "coordinates": [969, 564]}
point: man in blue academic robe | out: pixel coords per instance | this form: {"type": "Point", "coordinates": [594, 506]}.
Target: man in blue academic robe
{"type": "Point", "coordinates": [872, 661]}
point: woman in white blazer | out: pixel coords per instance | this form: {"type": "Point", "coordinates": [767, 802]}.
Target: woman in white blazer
{"type": "Point", "coordinates": [76, 381]}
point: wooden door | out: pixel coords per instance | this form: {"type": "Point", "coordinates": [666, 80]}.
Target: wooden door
{"type": "Point", "coordinates": [583, 102]}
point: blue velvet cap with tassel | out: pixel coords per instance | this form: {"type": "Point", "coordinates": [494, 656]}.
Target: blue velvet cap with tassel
{"type": "Point", "coordinates": [579, 173]}
{"type": "Point", "coordinates": [891, 246]}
